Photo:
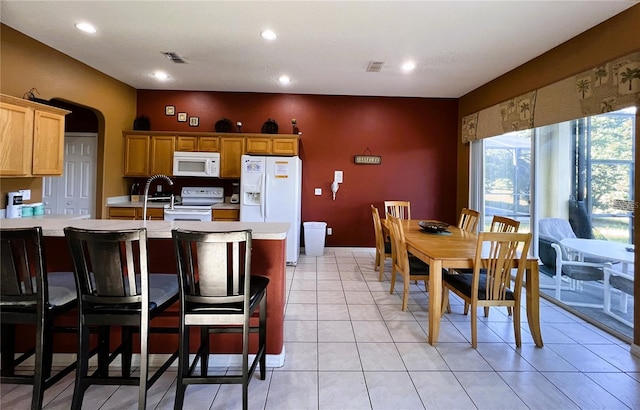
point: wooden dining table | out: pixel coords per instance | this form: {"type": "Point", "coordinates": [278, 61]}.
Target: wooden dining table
{"type": "Point", "coordinates": [456, 249]}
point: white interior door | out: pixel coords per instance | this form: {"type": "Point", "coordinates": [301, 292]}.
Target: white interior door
{"type": "Point", "coordinates": [73, 193]}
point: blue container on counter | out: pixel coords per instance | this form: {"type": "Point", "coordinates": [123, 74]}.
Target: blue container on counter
{"type": "Point", "coordinates": [27, 210]}
{"type": "Point", "coordinates": [38, 208]}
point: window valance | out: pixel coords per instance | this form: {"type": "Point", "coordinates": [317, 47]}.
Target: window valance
{"type": "Point", "coordinates": [608, 87]}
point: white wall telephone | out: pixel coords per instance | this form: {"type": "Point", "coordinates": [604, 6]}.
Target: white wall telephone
{"type": "Point", "coordinates": [334, 188]}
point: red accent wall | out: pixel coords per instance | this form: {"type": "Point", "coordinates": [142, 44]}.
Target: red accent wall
{"type": "Point", "coordinates": [416, 137]}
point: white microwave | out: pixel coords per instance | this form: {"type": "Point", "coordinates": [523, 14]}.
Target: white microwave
{"type": "Point", "coordinates": [196, 164]}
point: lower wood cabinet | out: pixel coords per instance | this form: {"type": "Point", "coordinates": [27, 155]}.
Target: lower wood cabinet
{"type": "Point", "coordinates": [135, 213]}
{"type": "Point", "coordinates": [225, 215]}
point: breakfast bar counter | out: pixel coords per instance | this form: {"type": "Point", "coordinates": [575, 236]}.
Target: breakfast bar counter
{"type": "Point", "coordinates": [267, 259]}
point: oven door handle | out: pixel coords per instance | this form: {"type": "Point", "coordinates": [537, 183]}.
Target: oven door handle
{"type": "Point", "coordinates": [194, 212]}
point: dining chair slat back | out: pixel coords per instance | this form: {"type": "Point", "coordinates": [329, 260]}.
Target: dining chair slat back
{"type": "Point", "coordinates": [411, 268]}
{"type": "Point", "coordinates": [399, 209]}
{"type": "Point", "coordinates": [469, 220]}
{"type": "Point", "coordinates": [497, 253]}
{"type": "Point", "coordinates": [383, 248]}
{"type": "Point", "coordinates": [504, 224]}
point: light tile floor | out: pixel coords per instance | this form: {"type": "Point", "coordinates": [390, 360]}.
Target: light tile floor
{"type": "Point", "coordinates": [349, 346]}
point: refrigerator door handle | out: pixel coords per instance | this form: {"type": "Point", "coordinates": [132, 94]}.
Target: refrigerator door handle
{"type": "Point", "coordinates": [264, 197]}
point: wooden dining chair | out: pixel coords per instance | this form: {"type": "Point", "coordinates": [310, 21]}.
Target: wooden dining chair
{"type": "Point", "coordinates": [219, 294]}
{"type": "Point", "coordinates": [469, 220]}
{"type": "Point", "coordinates": [499, 224]}
{"type": "Point", "coordinates": [29, 295]}
{"type": "Point", "coordinates": [399, 209]}
{"type": "Point", "coordinates": [490, 284]}
{"type": "Point", "coordinates": [383, 248]}
{"type": "Point", "coordinates": [504, 224]}
{"type": "Point", "coordinates": [411, 268]}
{"type": "Point", "coordinates": [116, 289]}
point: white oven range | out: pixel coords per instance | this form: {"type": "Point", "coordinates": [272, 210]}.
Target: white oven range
{"type": "Point", "coordinates": [196, 204]}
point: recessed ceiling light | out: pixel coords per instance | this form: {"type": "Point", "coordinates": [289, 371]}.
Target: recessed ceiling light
{"type": "Point", "coordinates": [268, 35]}
{"type": "Point", "coordinates": [284, 79]}
{"type": "Point", "coordinates": [161, 76]}
{"type": "Point", "coordinates": [408, 66]}
{"type": "Point", "coordinates": [86, 27]}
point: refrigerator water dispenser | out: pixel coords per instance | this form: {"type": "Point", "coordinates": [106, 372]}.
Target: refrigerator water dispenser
{"type": "Point", "coordinates": [251, 195]}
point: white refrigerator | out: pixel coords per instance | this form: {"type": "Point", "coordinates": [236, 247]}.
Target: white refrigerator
{"type": "Point", "coordinates": [271, 191]}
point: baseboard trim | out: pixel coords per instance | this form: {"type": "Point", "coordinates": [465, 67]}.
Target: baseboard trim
{"type": "Point", "coordinates": [330, 251]}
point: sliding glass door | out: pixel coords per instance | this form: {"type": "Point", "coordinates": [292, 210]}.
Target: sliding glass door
{"type": "Point", "coordinates": [573, 179]}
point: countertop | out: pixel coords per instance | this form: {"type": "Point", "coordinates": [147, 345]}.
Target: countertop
{"type": "Point", "coordinates": [155, 229]}
{"type": "Point", "coordinates": [49, 216]}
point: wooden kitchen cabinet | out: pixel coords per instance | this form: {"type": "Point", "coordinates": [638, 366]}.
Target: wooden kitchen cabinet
{"type": "Point", "coordinates": [122, 213]}
{"type": "Point", "coordinates": [231, 150]}
{"type": "Point", "coordinates": [225, 214]}
{"type": "Point", "coordinates": [161, 155]}
{"type": "Point", "coordinates": [197, 143]}
{"type": "Point", "coordinates": [146, 155]}
{"type": "Point", "coordinates": [153, 214]}
{"type": "Point", "coordinates": [135, 213]}
{"type": "Point", "coordinates": [15, 140]}
{"type": "Point", "coordinates": [136, 155]}
{"type": "Point", "coordinates": [263, 145]}
{"type": "Point", "coordinates": [209, 144]}
{"type": "Point", "coordinates": [284, 146]}
{"type": "Point", "coordinates": [151, 152]}
{"type": "Point", "coordinates": [189, 144]}
{"type": "Point", "coordinates": [31, 138]}
{"type": "Point", "coordinates": [258, 145]}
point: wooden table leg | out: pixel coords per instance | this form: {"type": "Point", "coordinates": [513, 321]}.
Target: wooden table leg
{"type": "Point", "coordinates": [533, 302]}
{"type": "Point", "coordinates": [435, 300]}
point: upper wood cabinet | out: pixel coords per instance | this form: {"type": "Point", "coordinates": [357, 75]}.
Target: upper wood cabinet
{"type": "Point", "coordinates": [136, 155]}
{"type": "Point", "coordinates": [231, 150]}
{"type": "Point", "coordinates": [161, 155]}
{"type": "Point", "coordinates": [31, 138]}
{"type": "Point", "coordinates": [284, 146]}
{"type": "Point", "coordinates": [272, 145]}
{"type": "Point", "coordinates": [257, 145]}
{"type": "Point", "coordinates": [197, 143]}
{"type": "Point", "coordinates": [151, 152]}
{"type": "Point", "coordinates": [146, 155]}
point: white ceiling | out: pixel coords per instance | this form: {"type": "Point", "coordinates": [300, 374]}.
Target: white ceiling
{"type": "Point", "coordinates": [324, 46]}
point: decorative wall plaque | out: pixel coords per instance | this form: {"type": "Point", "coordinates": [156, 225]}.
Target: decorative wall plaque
{"type": "Point", "coordinates": [367, 159]}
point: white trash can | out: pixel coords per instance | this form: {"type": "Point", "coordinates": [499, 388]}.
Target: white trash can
{"type": "Point", "coordinates": [314, 235]}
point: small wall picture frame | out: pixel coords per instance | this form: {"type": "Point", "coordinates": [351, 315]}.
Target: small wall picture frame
{"type": "Point", "coordinates": [169, 110]}
{"type": "Point", "coordinates": [193, 121]}
{"type": "Point", "coordinates": [182, 117]}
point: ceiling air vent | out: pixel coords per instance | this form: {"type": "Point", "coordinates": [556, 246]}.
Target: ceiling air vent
{"type": "Point", "coordinates": [375, 66]}
{"type": "Point", "coordinates": [173, 56]}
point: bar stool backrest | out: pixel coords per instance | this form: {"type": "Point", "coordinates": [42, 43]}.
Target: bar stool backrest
{"type": "Point", "coordinates": [212, 266]}
{"type": "Point", "coordinates": [110, 266]}
{"type": "Point", "coordinates": [22, 268]}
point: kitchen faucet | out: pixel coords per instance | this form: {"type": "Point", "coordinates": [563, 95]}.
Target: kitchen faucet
{"type": "Point", "coordinates": [146, 192]}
